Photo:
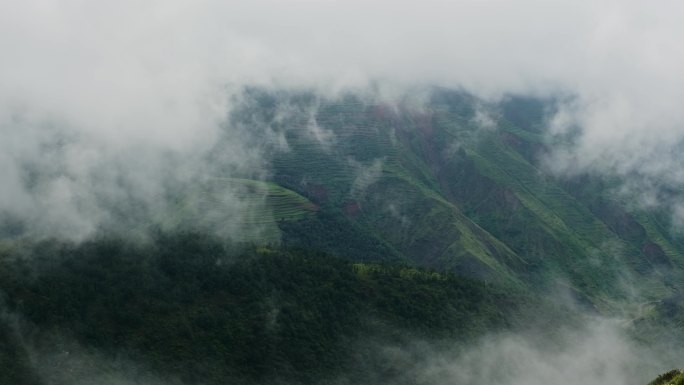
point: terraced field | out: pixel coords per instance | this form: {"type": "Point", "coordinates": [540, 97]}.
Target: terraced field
{"type": "Point", "coordinates": [241, 208]}
{"type": "Point", "coordinates": [401, 204]}
{"type": "Point", "coordinates": [327, 173]}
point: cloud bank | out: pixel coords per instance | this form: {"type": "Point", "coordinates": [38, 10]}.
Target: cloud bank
{"type": "Point", "coordinates": [100, 102]}
{"type": "Point", "coordinates": [597, 353]}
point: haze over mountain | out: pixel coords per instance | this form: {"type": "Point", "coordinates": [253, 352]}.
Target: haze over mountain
{"type": "Point", "coordinates": [335, 192]}
{"type": "Point", "coordinates": [72, 74]}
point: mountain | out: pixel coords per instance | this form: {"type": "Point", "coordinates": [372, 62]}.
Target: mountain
{"type": "Point", "coordinates": [456, 184]}
{"type": "Point", "coordinates": [376, 225]}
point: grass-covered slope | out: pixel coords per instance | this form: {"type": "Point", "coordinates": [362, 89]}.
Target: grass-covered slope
{"type": "Point", "coordinates": [456, 184]}
{"type": "Point", "coordinates": [366, 178]}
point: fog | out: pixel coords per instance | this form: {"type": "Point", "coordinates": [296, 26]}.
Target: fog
{"type": "Point", "coordinates": [598, 353]}
{"type": "Point", "coordinates": [98, 96]}
{"type": "Point", "coordinates": [111, 110]}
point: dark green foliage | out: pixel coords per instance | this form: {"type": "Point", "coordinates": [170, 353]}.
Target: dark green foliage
{"type": "Point", "coordinates": [15, 365]}
{"type": "Point", "coordinates": [189, 305]}
{"type": "Point", "coordinates": [672, 377]}
{"type": "Point", "coordinates": [333, 232]}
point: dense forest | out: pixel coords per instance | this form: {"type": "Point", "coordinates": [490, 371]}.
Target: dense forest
{"type": "Point", "coordinates": [195, 308]}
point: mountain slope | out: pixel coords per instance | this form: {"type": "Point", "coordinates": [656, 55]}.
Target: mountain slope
{"type": "Point", "coordinates": [377, 225]}
{"type": "Point", "coordinates": [191, 307]}
{"type": "Point", "coordinates": [454, 184]}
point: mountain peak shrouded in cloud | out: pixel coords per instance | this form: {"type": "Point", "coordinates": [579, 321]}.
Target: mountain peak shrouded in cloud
{"type": "Point", "coordinates": [483, 173]}
{"type": "Point", "coordinates": [154, 73]}
{"type": "Point", "coordinates": [124, 86]}
{"type": "Point", "coordinates": [132, 82]}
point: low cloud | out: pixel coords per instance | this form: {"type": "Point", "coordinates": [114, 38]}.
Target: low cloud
{"type": "Point", "coordinates": [365, 174]}
{"type": "Point", "coordinates": [600, 352]}
{"type": "Point", "coordinates": [107, 94]}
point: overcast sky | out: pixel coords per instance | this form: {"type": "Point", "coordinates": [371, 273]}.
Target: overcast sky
{"type": "Point", "coordinates": [149, 76]}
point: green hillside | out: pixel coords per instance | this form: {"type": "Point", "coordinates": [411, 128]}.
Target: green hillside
{"type": "Point", "coordinates": [429, 186]}
{"type": "Point", "coordinates": [192, 307]}
{"type": "Point", "coordinates": [438, 186]}
{"type": "Point", "coordinates": [375, 225]}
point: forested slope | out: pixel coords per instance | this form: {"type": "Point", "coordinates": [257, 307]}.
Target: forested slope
{"type": "Point", "coordinates": [191, 307]}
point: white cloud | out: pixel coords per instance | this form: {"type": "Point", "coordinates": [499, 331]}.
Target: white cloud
{"type": "Point", "coordinates": [128, 80]}
{"type": "Point", "coordinates": [599, 352]}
